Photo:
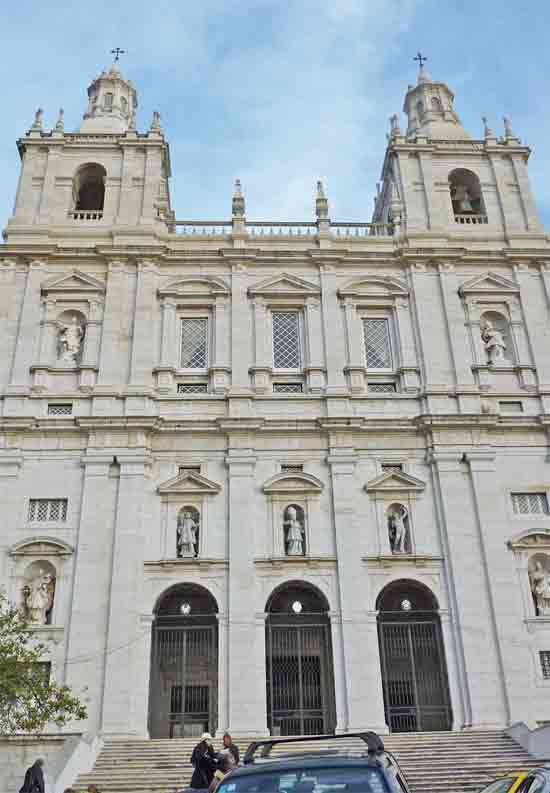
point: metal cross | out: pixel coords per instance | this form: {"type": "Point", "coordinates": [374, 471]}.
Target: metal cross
{"type": "Point", "coordinates": [420, 58]}
{"type": "Point", "coordinates": [117, 53]}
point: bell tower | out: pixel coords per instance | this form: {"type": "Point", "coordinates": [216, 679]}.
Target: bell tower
{"type": "Point", "coordinates": [103, 183]}
{"type": "Point", "coordinates": [439, 181]}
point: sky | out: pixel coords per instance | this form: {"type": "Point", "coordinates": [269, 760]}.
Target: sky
{"type": "Point", "coordinates": [278, 94]}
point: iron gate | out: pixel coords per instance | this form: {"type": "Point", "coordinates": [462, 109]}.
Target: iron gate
{"type": "Point", "coordinates": [414, 676]}
{"type": "Point", "coordinates": [300, 699]}
{"type": "Point", "coordinates": [184, 680]}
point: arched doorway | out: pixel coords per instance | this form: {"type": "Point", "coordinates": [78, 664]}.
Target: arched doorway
{"type": "Point", "coordinates": [414, 674]}
{"type": "Point", "coordinates": [184, 663]}
{"type": "Point", "coordinates": [299, 668]}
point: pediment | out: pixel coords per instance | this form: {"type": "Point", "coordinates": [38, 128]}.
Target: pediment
{"type": "Point", "coordinates": [293, 483]}
{"type": "Point", "coordinates": [41, 546]}
{"type": "Point", "coordinates": [375, 286]}
{"type": "Point", "coordinates": [531, 540]}
{"type": "Point", "coordinates": [188, 484]}
{"type": "Point", "coordinates": [284, 285]}
{"type": "Point", "coordinates": [75, 281]}
{"type": "Point", "coordinates": [489, 282]}
{"type": "Point", "coordinates": [395, 482]}
{"type": "Point", "coordinates": [195, 286]}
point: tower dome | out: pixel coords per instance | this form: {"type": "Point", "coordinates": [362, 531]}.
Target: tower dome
{"type": "Point", "coordinates": [112, 103]}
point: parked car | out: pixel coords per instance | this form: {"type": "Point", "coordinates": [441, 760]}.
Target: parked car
{"type": "Point", "coordinates": [322, 764]}
{"type": "Point", "coordinates": [536, 781]}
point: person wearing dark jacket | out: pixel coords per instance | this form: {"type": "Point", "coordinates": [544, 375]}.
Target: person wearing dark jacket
{"type": "Point", "coordinates": [34, 778]}
{"type": "Point", "coordinates": [203, 761]}
{"type": "Point", "coordinates": [230, 746]}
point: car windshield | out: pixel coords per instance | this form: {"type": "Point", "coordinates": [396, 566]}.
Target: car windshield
{"type": "Point", "coordinates": [310, 780]}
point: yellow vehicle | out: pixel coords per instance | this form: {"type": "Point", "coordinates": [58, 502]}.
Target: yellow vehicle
{"type": "Point", "coordinates": [506, 784]}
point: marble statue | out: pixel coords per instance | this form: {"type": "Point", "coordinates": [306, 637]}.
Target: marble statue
{"type": "Point", "coordinates": [295, 534]}
{"type": "Point", "coordinates": [187, 532]}
{"type": "Point", "coordinates": [38, 118]}
{"type": "Point", "coordinates": [394, 122]}
{"type": "Point", "coordinates": [38, 597]}
{"type": "Point", "coordinates": [70, 341]}
{"type": "Point", "coordinates": [155, 123]}
{"type": "Point", "coordinates": [508, 133]}
{"type": "Point", "coordinates": [398, 530]}
{"type": "Point", "coordinates": [494, 342]}
{"type": "Point", "coordinates": [540, 586]}
{"type": "Point", "coordinates": [60, 123]}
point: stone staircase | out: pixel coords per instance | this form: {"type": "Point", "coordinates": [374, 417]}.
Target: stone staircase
{"type": "Point", "coordinates": [443, 762]}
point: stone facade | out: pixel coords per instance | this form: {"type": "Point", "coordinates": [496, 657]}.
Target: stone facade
{"type": "Point", "coordinates": [321, 402]}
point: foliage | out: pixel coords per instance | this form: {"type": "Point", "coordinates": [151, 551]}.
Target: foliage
{"type": "Point", "coordinates": [29, 700]}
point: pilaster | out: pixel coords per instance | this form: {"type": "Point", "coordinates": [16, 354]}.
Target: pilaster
{"type": "Point", "coordinates": [27, 337]}
{"type": "Point", "coordinates": [143, 355]}
{"type": "Point", "coordinates": [333, 332]}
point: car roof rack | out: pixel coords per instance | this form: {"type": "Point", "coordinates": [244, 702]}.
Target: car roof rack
{"type": "Point", "coordinates": [373, 742]}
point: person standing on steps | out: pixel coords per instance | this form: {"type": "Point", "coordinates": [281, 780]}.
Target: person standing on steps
{"type": "Point", "coordinates": [231, 747]}
{"type": "Point", "coordinates": [203, 760]}
{"type": "Point", "coordinates": [34, 778]}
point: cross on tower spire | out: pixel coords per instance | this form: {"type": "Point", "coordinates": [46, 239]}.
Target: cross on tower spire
{"type": "Point", "coordinates": [117, 52]}
{"type": "Point", "coordinates": [420, 58]}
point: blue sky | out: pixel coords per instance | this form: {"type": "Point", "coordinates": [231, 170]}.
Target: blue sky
{"type": "Point", "coordinates": [281, 93]}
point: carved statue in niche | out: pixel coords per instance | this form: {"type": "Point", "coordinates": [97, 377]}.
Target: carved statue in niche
{"type": "Point", "coordinates": [294, 533]}
{"type": "Point", "coordinates": [188, 533]}
{"type": "Point", "coordinates": [398, 528]}
{"type": "Point", "coordinates": [38, 597]}
{"type": "Point", "coordinates": [70, 341]}
{"type": "Point", "coordinates": [540, 587]}
{"type": "Point", "coordinates": [494, 342]}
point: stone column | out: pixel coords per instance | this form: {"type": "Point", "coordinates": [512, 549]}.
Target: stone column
{"type": "Point", "coordinates": [112, 365]}
{"type": "Point", "coordinates": [169, 360]}
{"type": "Point", "coordinates": [220, 369]}
{"type": "Point", "coordinates": [90, 354]}
{"type": "Point", "coordinates": [124, 635]}
{"type": "Point", "coordinates": [469, 595]}
{"type": "Point", "coordinates": [339, 671]}
{"type": "Point", "coordinates": [28, 330]}
{"type": "Point", "coordinates": [246, 645]}
{"type": "Point", "coordinates": [263, 362]}
{"type": "Point", "coordinates": [409, 360]}
{"type": "Point", "coordinates": [334, 341]}
{"type": "Point", "coordinates": [87, 631]}
{"type": "Point", "coordinates": [315, 367]}
{"type": "Point", "coordinates": [223, 717]}
{"type": "Point", "coordinates": [151, 183]}
{"type": "Point", "coordinates": [47, 208]}
{"type": "Point", "coordinates": [48, 340]}
{"type": "Point", "coordinates": [529, 205]}
{"type": "Point", "coordinates": [143, 354]}
{"type": "Point", "coordinates": [362, 671]}
{"type": "Point", "coordinates": [356, 353]}
{"type": "Point", "coordinates": [240, 330]}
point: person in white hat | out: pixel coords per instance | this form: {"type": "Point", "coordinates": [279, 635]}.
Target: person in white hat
{"type": "Point", "coordinates": [203, 761]}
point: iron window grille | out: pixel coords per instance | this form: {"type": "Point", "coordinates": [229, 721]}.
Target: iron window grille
{"type": "Point", "coordinates": [510, 407]}
{"type": "Point", "coordinates": [530, 503]}
{"type": "Point", "coordinates": [544, 656]}
{"type": "Point", "coordinates": [381, 388]}
{"type": "Point", "coordinates": [194, 343]}
{"type": "Point", "coordinates": [286, 340]}
{"type": "Point", "coordinates": [192, 388]}
{"type": "Point", "coordinates": [47, 509]}
{"type": "Point", "coordinates": [387, 467]}
{"type": "Point", "coordinates": [292, 469]}
{"type": "Point", "coordinates": [376, 334]}
{"type": "Point", "coordinates": [189, 469]}
{"type": "Point", "coordinates": [287, 388]}
{"type": "Point", "coordinates": [60, 409]}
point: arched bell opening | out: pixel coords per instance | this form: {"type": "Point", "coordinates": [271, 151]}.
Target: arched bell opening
{"type": "Point", "coordinates": [184, 663]}
{"type": "Point", "coordinates": [466, 197]}
{"type": "Point", "coordinates": [414, 673]}
{"type": "Point", "coordinates": [89, 188]}
{"type": "Point", "coordinates": [299, 662]}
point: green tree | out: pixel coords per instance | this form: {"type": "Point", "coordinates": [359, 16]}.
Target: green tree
{"type": "Point", "coordinates": [29, 700]}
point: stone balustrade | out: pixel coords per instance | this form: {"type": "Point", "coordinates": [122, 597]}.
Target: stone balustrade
{"type": "Point", "coordinates": [86, 214]}
{"type": "Point", "coordinates": [472, 220]}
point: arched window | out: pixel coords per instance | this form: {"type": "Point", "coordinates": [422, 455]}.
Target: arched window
{"type": "Point", "coordinates": [419, 108]}
{"type": "Point", "coordinates": [124, 105]}
{"type": "Point", "coordinates": [466, 197]}
{"type": "Point", "coordinates": [89, 188]}
{"type": "Point", "coordinates": [436, 104]}
{"type": "Point", "coordinates": [108, 103]}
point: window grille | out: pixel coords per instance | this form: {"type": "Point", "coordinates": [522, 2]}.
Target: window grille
{"type": "Point", "coordinates": [287, 388]}
{"type": "Point", "coordinates": [194, 343]}
{"type": "Point", "coordinates": [189, 469]}
{"type": "Point", "coordinates": [192, 388]}
{"type": "Point", "coordinates": [545, 663]}
{"type": "Point", "coordinates": [108, 101]}
{"type": "Point", "coordinates": [292, 469]}
{"type": "Point", "coordinates": [530, 503]}
{"type": "Point", "coordinates": [286, 340]}
{"type": "Point", "coordinates": [387, 467]}
{"type": "Point", "coordinates": [510, 407]}
{"type": "Point", "coordinates": [43, 509]}
{"type": "Point", "coordinates": [376, 333]}
{"type": "Point", "coordinates": [60, 409]}
{"type": "Point", "coordinates": [381, 388]}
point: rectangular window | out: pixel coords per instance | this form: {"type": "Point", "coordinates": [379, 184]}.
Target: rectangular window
{"type": "Point", "coordinates": [376, 333]}
{"type": "Point", "coordinates": [189, 469]}
{"type": "Point", "coordinates": [192, 388]}
{"type": "Point", "coordinates": [59, 409]}
{"type": "Point", "coordinates": [52, 509]}
{"type": "Point", "coordinates": [545, 663]}
{"type": "Point", "coordinates": [287, 388]}
{"type": "Point", "coordinates": [292, 469]}
{"type": "Point", "coordinates": [510, 407]}
{"type": "Point", "coordinates": [387, 467]}
{"type": "Point", "coordinates": [381, 388]}
{"type": "Point", "coordinates": [108, 101]}
{"type": "Point", "coordinates": [286, 340]}
{"type": "Point", "coordinates": [194, 343]}
{"type": "Point", "coordinates": [530, 503]}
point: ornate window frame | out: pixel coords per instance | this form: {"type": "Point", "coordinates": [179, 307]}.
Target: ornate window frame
{"type": "Point", "coordinates": [284, 490]}
{"type": "Point", "coordinates": [379, 297]}
{"type": "Point", "coordinates": [492, 292]}
{"type": "Point", "coordinates": [287, 292]}
{"type": "Point", "coordinates": [194, 296]}
{"type": "Point", "coordinates": [187, 489]}
{"type": "Point", "coordinates": [394, 487]}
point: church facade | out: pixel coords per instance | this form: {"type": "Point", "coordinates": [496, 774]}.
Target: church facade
{"type": "Point", "coordinates": [279, 477]}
